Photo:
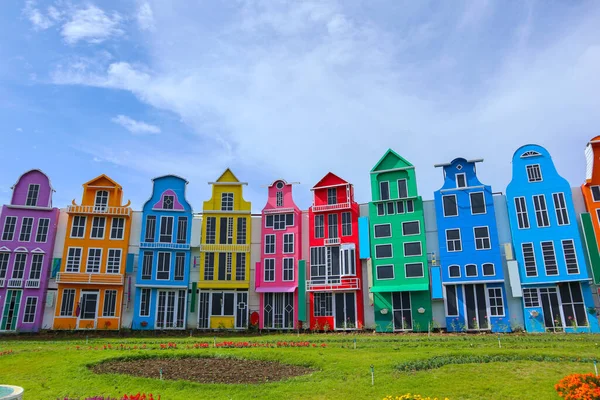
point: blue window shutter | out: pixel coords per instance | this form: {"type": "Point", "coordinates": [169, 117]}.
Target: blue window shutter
{"type": "Point", "coordinates": [55, 267]}
{"type": "Point", "coordinates": [129, 265]}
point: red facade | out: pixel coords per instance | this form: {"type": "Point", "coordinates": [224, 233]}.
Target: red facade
{"type": "Point", "coordinates": [334, 271]}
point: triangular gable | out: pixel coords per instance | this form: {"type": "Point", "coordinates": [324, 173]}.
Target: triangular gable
{"type": "Point", "coordinates": [228, 176]}
{"type": "Point", "coordinates": [38, 250]}
{"type": "Point", "coordinates": [330, 179]}
{"type": "Point", "coordinates": [4, 249]}
{"type": "Point", "coordinates": [102, 180]}
{"type": "Point", "coordinates": [391, 160]}
{"type": "Point", "coordinates": [21, 250]}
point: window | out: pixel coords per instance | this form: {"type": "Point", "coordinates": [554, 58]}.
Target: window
{"type": "Point", "coordinates": [477, 203]}
{"type": "Point", "coordinates": [411, 228]}
{"type": "Point", "coordinates": [66, 305]}
{"type": "Point", "coordinates": [454, 271]}
{"type": "Point", "coordinates": [410, 206]}
{"type": "Point", "coordinates": [182, 227]}
{"type": "Point", "coordinates": [288, 243]}
{"type": "Point", "coordinates": [449, 204]}
{"type": "Point", "coordinates": [332, 226]}
{"type": "Point", "coordinates": [269, 269]}
{"type": "Point", "coordinates": [94, 259]}
{"type": "Point", "coordinates": [9, 228]}
{"type": "Point", "coordinates": [402, 189]}
{"type": "Point", "coordinates": [482, 238]}
{"type": "Point", "coordinates": [534, 173]}
{"type": "Point", "coordinates": [382, 231]}
{"type": "Point", "coordinates": [451, 301]}
{"type": "Point", "coordinates": [391, 209]}
{"type": "Point", "coordinates": [145, 302]}
{"type": "Point", "coordinates": [226, 201]}
{"type": "Point", "coordinates": [412, 249]}
{"type": "Point", "coordinates": [226, 233]}
{"type": "Point", "coordinates": [223, 304]}
{"type": "Point", "coordinates": [148, 260]}
{"type": "Point", "coordinates": [163, 270]}
{"type": "Point", "coordinates": [414, 270]}
{"type": "Point", "coordinates": [595, 193]}
{"type": "Point", "coordinates": [522, 218]}
{"type": "Point", "coordinates": [347, 224]}
{"type": "Point", "coordinates": [32, 195]}
{"type": "Point", "coordinates": [167, 203]}
{"type": "Point", "coordinates": [73, 259]}
{"type": "Point", "coordinates": [453, 242]}
{"type": "Point", "coordinates": [209, 266]}
{"type": "Point", "coordinates": [110, 303]}
{"type": "Point", "coordinates": [288, 269]}
{"type": "Point", "coordinates": [228, 266]}
{"type": "Point", "coordinates": [150, 228]}
{"type": "Point", "coordinates": [471, 270]}
{"type": "Point", "coordinates": [400, 207]}
{"type": "Point", "coordinates": [179, 266]}
{"type": "Point", "coordinates": [117, 229]}
{"type": "Point", "coordinates": [279, 200]}
{"type": "Point", "coordinates": [30, 307]}
{"type": "Point", "coordinates": [318, 262]}
{"type": "Point", "coordinates": [240, 266]}
{"type": "Point", "coordinates": [560, 206]}
{"type": "Point", "coordinates": [570, 256]}
{"type": "Point", "coordinates": [332, 196]}
{"type": "Point", "coordinates": [383, 251]}
{"type": "Point", "coordinates": [347, 259]}
{"type": "Point", "coordinates": [269, 244]}
{"type": "Point", "coordinates": [323, 305]}
{"type": "Point", "coordinates": [529, 259]}
{"type": "Point", "coordinates": [531, 298]}
{"type": "Point", "coordinates": [574, 309]}
{"type": "Point", "coordinates": [166, 229]}
{"type": "Point", "coordinates": [384, 190]}
{"type": "Point", "coordinates": [280, 221]}
{"type": "Point", "coordinates": [488, 269]}
{"type": "Point", "coordinates": [241, 230]}
{"type": "Point", "coordinates": [19, 266]}
{"type": "Point", "coordinates": [461, 180]}
{"type": "Point", "coordinates": [42, 230]}
{"type": "Point", "coordinates": [530, 153]}
{"type": "Point", "coordinates": [380, 209]}
{"type": "Point", "coordinates": [496, 302]}
{"type": "Point", "coordinates": [113, 262]}
{"type": "Point", "coordinates": [211, 230]}
{"type": "Point", "coordinates": [35, 272]}
{"type": "Point", "coordinates": [4, 264]}
{"type": "Point", "coordinates": [385, 272]}
{"type": "Point", "coordinates": [98, 224]}
{"type": "Point", "coordinates": [319, 226]}
{"type": "Point", "coordinates": [549, 258]}
{"type": "Point", "coordinates": [101, 201]}
{"type": "Point", "coordinates": [26, 227]}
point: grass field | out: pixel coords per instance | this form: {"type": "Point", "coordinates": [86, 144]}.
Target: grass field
{"type": "Point", "coordinates": [528, 366]}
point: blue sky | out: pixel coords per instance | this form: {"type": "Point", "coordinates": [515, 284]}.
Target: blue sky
{"type": "Point", "coordinates": [291, 89]}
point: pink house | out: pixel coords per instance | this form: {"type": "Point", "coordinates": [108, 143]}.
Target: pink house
{"type": "Point", "coordinates": [281, 248]}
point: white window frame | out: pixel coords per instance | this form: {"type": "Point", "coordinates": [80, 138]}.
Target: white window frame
{"type": "Point", "coordinates": [71, 294]}
{"type": "Point", "coordinates": [279, 199]}
{"type": "Point", "coordinates": [226, 198]}
{"type": "Point", "coordinates": [111, 313]}
{"type": "Point", "coordinates": [289, 269]}
{"type": "Point", "coordinates": [120, 229]}
{"type": "Point", "coordinates": [471, 203]}
{"type": "Point", "coordinates": [319, 227]}
{"type": "Point", "coordinates": [459, 271]}
{"type": "Point", "coordinates": [163, 219]}
{"type": "Point", "coordinates": [454, 241]}
{"type": "Point", "coordinates": [145, 301]}
{"type": "Point", "coordinates": [525, 266]}
{"type": "Point", "coordinates": [381, 245]}
{"type": "Point", "coordinates": [530, 176]}
{"type": "Point", "coordinates": [464, 175]}
{"type": "Point", "coordinates": [389, 195]}
{"type": "Point", "coordinates": [467, 271]}
{"type": "Point", "coordinates": [322, 297]}
{"type": "Point", "coordinates": [108, 261]}
{"type": "Point", "coordinates": [99, 207]}
{"type": "Point", "coordinates": [43, 223]}
{"type": "Point", "coordinates": [211, 234]}
{"type": "Point", "coordinates": [78, 264]}
{"type": "Point", "coordinates": [531, 296]}
{"type": "Point", "coordinates": [594, 198]}
{"type": "Point", "coordinates": [288, 241]}
{"type": "Point", "coordinates": [99, 259]}
{"type": "Point", "coordinates": [144, 275]}
{"type": "Point", "coordinates": [380, 209]}
{"type": "Point", "coordinates": [36, 258]}
{"type": "Point", "coordinates": [98, 228]}
{"type": "Point", "coordinates": [413, 255]}
{"type": "Point", "coordinates": [554, 255]}
{"type": "Point", "coordinates": [28, 238]}
{"type": "Point", "coordinates": [398, 187]}
{"type": "Point", "coordinates": [414, 277]}
{"type": "Point", "coordinates": [562, 242]}
{"type": "Point", "coordinates": [410, 222]}
{"type": "Point", "coordinates": [541, 211]}
{"type": "Point", "coordinates": [562, 213]}
{"type": "Point", "coordinates": [444, 208]}
{"type": "Point", "coordinates": [377, 267]}
{"type": "Point", "coordinates": [7, 234]}
{"type": "Point", "coordinates": [35, 199]}
{"type": "Point", "coordinates": [269, 268]}
{"type": "Point", "coordinates": [500, 299]}
{"type": "Point", "coordinates": [162, 270]}
{"type": "Point", "coordinates": [488, 236]}
{"type": "Point", "coordinates": [31, 313]}
{"type": "Point", "coordinates": [347, 225]}
{"type": "Point", "coordinates": [446, 300]}
{"type": "Point", "coordinates": [483, 269]}
{"type": "Point", "coordinates": [381, 237]}
{"type": "Point", "coordinates": [523, 215]}
{"type": "Point", "coordinates": [329, 198]}
{"type": "Point", "coordinates": [21, 271]}
{"type": "Point", "coordinates": [268, 243]}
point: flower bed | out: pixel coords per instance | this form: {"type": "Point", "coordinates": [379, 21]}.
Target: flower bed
{"type": "Point", "coordinates": [579, 387]}
{"type": "Point", "coordinates": [199, 345]}
{"type": "Point", "coordinates": [409, 396]}
{"type": "Point", "coordinates": [139, 396]}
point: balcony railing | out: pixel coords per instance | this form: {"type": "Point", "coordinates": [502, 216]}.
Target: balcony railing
{"type": "Point", "coordinates": [2, 283]}
{"type": "Point", "coordinates": [286, 210]}
{"type": "Point", "coordinates": [126, 211]}
{"type": "Point", "coordinates": [331, 207]}
{"type": "Point", "coordinates": [332, 284]}
{"type": "Point", "coordinates": [332, 241]}
{"type": "Point", "coordinates": [225, 248]}
{"type": "Point", "coordinates": [82, 277]}
{"type": "Point", "coordinates": [159, 245]}
{"type": "Point", "coordinates": [32, 284]}
{"type": "Point", "coordinates": [15, 283]}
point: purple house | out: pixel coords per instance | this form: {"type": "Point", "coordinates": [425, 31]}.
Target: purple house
{"type": "Point", "coordinates": [27, 232]}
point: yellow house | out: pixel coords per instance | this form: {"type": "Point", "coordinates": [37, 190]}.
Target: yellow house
{"type": "Point", "coordinates": [91, 277]}
{"type": "Point", "coordinates": [224, 257]}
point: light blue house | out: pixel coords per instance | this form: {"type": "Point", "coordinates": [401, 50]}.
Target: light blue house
{"type": "Point", "coordinates": [470, 258]}
{"type": "Point", "coordinates": [552, 271]}
{"type": "Point", "coordinates": [163, 268]}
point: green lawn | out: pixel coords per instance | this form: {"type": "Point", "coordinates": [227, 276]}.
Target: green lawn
{"type": "Point", "coordinates": [54, 368]}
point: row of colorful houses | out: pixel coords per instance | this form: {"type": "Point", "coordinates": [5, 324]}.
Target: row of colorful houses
{"type": "Point", "coordinates": [469, 260]}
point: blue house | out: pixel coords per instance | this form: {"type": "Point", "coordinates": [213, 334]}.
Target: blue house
{"type": "Point", "coordinates": [548, 250]}
{"type": "Point", "coordinates": [163, 267]}
{"type": "Point", "coordinates": [470, 257]}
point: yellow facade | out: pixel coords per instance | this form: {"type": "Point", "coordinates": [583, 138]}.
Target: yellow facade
{"type": "Point", "coordinates": [92, 272]}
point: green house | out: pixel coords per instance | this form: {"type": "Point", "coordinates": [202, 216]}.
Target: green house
{"type": "Point", "coordinates": [400, 285]}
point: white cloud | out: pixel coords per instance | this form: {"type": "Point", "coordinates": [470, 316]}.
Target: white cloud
{"type": "Point", "coordinates": [91, 24]}
{"type": "Point", "coordinates": [135, 127]}
{"type": "Point", "coordinates": [145, 17]}
{"type": "Point", "coordinates": [41, 21]}
{"type": "Point", "coordinates": [19, 129]}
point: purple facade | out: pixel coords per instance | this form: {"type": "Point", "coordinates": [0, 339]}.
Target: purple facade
{"type": "Point", "coordinates": [27, 233]}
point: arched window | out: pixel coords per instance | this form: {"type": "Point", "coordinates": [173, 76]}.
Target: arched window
{"type": "Point", "coordinates": [489, 269]}
{"type": "Point", "coordinates": [530, 153]}
{"type": "Point", "coordinates": [454, 271]}
{"type": "Point", "coordinates": [101, 202]}
{"type": "Point", "coordinates": [471, 270]}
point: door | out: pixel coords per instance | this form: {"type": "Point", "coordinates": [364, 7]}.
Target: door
{"type": "Point", "coordinates": [241, 315]}
{"type": "Point", "coordinates": [345, 310]}
{"type": "Point", "coordinates": [203, 310]}
{"type": "Point", "coordinates": [88, 310]}
{"type": "Point", "coordinates": [10, 313]}
{"type": "Point", "coordinates": [171, 309]}
{"type": "Point", "coordinates": [551, 306]}
{"type": "Point", "coordinates": [401, 311]}
{"type": "Point", "coordinates": [476, 307]}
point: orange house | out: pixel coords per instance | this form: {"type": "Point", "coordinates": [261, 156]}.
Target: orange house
{"type": "Point", "coordinates": [92, 271]}
{"type": "Point", "coordinates": [591, 195]}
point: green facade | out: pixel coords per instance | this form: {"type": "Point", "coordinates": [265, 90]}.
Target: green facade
{"type": "Point", "coordinates": [400, 285]}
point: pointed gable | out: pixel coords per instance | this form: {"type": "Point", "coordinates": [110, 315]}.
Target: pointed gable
{"type": "Point", "coordinates": [390, 160]}
{"type": "Point", "coordinates": [330, 179]}
{"type": "Point", "coordinates": [228, 177]}
{"type": "Point", "coordinates": [102, 180]}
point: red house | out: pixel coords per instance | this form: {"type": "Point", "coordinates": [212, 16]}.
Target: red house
{"type": "Point", "coordinates": [334, 272]}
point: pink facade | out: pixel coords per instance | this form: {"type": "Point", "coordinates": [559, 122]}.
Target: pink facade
{"type": "Point", "coordinates": [276, 278]}
{"type": "Point", "coordinates": [27, 233]}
